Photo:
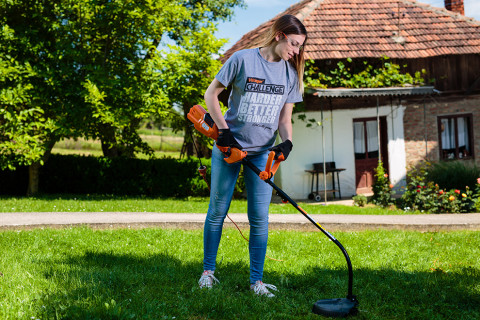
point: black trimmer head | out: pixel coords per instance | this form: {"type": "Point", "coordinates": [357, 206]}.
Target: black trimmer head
{"type": "Point", "coordinates": [336, 308]}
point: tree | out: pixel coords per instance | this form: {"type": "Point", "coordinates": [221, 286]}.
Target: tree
{"type": "Point", "coordinates": [121, 66]}
{"type": "Point", "coordinates": [26, 104]}
{"type": "Point", "coordinates": [186, 71]}
{"type": "Point", "coordinates": [93, 66]}
{"type": "Point", "coordinates": [22, 124]}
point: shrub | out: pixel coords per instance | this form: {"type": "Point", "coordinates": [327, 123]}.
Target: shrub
{"type": "Point", "coordinates": [453, 174]}
{"type": "Point", "coordinates": [119, 176]}
{"type": "Point", "coordinates": [382, 189]}
{"type": "Point", "coordinates": [477, 196]}
{"type": "Point", "coordinates": [359, 200]}
{"type": "Point", "coordinates": [422, 193]}
{"type": "Point", "coordinates": [166, 177]}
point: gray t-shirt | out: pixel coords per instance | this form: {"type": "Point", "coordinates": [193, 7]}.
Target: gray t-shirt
{"type": "Point", "coordinates": [260, 89]}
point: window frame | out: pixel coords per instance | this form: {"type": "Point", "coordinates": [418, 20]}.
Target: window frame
{"type": "Point", "coordinates": [455, 117]}
{"type": "Point", "coordinates": [368, 155]}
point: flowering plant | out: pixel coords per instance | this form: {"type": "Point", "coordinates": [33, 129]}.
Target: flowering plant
{"type": "Point", "coordinates": [477, 196]}
{"type": "Point", "coordinates": [420, 194]}
{"type": "Point", "coordinates": [382, 188]}
{"type": "Point", "coordinates": [424, 195]}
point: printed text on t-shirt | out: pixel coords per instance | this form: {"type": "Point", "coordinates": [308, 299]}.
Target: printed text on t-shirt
{"type": "Point", "coordinates": [259, 85]}
{"type": "Point", "coordinates": [261, 102]}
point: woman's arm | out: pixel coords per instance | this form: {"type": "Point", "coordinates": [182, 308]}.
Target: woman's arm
{"type": "Point", "coordinates": [213, 105]}
{"type": "Point", "coordinates": [285, 122]}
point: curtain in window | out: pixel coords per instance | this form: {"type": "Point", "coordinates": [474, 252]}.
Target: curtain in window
{"type": "Point", "coordinates": [463, 132]}
{"type": "Point", "coordinates": [358, 137]}
{"type": "Point", "coordinates": [448, 134]}
{"type": "Point", "coordinates": [372, 136]}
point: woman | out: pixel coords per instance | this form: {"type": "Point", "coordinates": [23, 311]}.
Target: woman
{"type": "Point", "coordinates": [266, 82]}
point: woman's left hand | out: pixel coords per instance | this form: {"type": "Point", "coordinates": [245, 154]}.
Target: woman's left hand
{"type": "Point", "coordinates": [284, 148]}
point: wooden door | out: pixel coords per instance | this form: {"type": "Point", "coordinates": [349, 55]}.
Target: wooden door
{"type": "Point", "coordinates": [367, 151]}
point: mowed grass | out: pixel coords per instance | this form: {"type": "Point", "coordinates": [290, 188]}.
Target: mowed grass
{"type": "Point", "coordinates": [163, 144]}
{"type": "Point", "coordinates": [81, 273]}
{"type": "Point", "coordinates": [72, 203]}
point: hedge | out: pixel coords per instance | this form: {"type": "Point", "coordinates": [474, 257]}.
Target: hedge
{"type": "Point", "coordinates": [73, 174]}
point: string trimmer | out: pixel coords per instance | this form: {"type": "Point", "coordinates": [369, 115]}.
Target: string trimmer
{"type": "Point", "coordinates": [340, 307]}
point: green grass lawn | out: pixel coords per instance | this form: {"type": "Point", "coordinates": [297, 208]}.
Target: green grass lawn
{"type": "Point", "coordinates": [163, 143]}
{"type": "Point", "coordinates": [65, 203]}
{"type": "Point", "coordinates": [81, 273]}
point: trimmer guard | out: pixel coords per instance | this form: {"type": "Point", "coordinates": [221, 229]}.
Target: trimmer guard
{"type": "Point", "coordinates": [336, 307]}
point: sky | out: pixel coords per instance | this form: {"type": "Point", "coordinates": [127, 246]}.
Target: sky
{"type": "Point", "coordinates": [260, 11]}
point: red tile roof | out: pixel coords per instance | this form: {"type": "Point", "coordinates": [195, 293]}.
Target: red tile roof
{"type": "Point", "coordinates": [340, 29]}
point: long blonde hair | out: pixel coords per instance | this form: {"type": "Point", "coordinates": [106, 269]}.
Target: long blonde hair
{"type": "Point", "coordinates": [289, 24]}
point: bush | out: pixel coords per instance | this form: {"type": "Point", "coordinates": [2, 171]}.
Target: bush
{"type": "Point", "coordinates": [359, 200]}
{"type": "Point", "coordinates": [382, 189]}
{"type": "Point", "coordinates": [453, 174]}
{"type": "Point", "coordinates": [73, 174]}
{"type": "Point", "coordinates": [14, 182]}
{"type": "Point", "coordinates": [118, 176]}
{"type": "Point", "coordinates": [422, 193]}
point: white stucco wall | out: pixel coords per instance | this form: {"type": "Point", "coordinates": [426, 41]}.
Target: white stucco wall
{"type": "Point", "coordinates": [307, 149]}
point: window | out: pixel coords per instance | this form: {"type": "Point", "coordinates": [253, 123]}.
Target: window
{"type": "Point", "coordinates": [365, 135]}
{"type": "Point", "coordinates": [455, 137]}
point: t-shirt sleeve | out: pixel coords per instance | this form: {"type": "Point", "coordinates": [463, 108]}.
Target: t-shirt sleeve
{"type": "Point", "coordinates": [227, 73]}
{"type": "Point", "coordinates": [294, 95]}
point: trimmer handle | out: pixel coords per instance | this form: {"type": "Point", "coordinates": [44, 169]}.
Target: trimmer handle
{"type": "Point", "coordinates": [232, 154]}
{"type": "Point", "coordinates": [270, 169]}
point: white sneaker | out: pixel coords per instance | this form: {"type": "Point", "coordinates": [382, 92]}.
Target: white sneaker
{"type": "Point", "coordinates": [261, 289]}
{"type": "Point", "coordinates": [207, 280]}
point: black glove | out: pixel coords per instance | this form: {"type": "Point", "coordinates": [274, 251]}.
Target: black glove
{"type": "Point", "coordinates": [285, 147]}
{"type": "Point", "coordinates": [226, 139]}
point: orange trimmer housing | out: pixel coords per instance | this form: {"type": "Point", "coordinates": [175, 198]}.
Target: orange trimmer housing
{"type": "Point", "coordinates": [203, 122]}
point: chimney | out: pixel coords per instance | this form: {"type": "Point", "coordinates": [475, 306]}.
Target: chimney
{"type": "Point", "coordinates": [455, 6]}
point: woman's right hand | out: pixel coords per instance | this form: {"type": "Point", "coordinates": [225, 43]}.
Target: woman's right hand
{"type": "Point", "coordinates": [226, 139]}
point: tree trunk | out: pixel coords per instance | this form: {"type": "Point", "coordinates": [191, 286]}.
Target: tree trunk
{"type": "Point", "coordinates": [33, 179]}
{"type": "Point", "coordinates": [109, 145]}
{"type": "Point", "coordinates": [131, 140]}
{"type": "Point", "coordinates": [195, 147]}
{"type": "Point", "coordinates": [34, 171]}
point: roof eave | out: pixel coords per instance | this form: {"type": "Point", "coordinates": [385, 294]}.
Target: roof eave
{"type": "Point", "coordinates": [369, 92]}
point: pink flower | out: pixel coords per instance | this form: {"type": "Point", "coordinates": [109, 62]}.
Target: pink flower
{"type": "Point", "coordinates": [478, 180]}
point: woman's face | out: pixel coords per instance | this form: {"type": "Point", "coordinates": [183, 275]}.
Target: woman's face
{"type": "Point", "coordinates": [289, 45]}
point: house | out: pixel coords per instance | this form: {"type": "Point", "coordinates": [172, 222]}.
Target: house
{"type": "Point", "coordinates": [402, 128]}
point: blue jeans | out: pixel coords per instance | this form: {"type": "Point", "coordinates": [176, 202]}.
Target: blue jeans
{"type": "Point", "coordinates": [259, 194]}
